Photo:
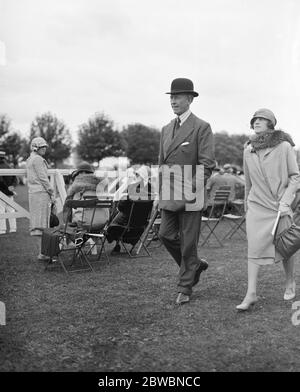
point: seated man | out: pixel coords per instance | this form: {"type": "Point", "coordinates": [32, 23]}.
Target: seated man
{"type": "Point", "coordinates": [139, 189]}
{"type": "Point", "coordinates": [84, 185]}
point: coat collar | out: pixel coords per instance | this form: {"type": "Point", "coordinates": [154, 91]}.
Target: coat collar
{"type": "Point", "coordinates": [265, 151]}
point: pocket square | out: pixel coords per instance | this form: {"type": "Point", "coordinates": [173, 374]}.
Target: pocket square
{"type": "Point", "coordinates": [185, 143]}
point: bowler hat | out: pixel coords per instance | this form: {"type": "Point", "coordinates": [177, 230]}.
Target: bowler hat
{"type": "Point", "coordinates": [182, 86]}
{"type": "Point", "coordinates": [264, 113]}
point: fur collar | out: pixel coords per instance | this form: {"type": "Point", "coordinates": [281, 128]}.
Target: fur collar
{"type": "Point", "coordinates": [268, 139]}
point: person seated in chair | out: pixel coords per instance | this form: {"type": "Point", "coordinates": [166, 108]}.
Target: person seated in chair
{"type": "Point", "coordinates": [138, 189]}
{"type": "Point", "coordinates": [84, 186]}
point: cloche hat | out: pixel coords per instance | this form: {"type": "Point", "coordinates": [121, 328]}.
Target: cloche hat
{"type": "Point", "coordinates": [38, 142]}
{"type": "Point", "coordinates": [82, 167]}
{"type": "Point", "coordinates": [264, 113]}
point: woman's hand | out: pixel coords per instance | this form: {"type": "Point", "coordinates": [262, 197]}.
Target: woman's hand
{"type": "Point", "coordinates": [284, 209]}
{"type": "Point", "coordinates": [52, 199]}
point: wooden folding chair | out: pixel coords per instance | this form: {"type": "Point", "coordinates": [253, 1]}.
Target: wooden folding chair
{"type": "Point", "coordinates": [215, 216]}
{"type": "Point", "coordinates": [98, 235]}
{"type": "Point", "coordinates": [151, 232]}
{"type": "Point", "coordinates": [73, 239]}
{"type": "Point", "coordinates": [236, 220]}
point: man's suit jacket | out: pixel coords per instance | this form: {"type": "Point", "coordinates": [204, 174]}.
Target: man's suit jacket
{"type": "Point", "coordinates": [192, 145]}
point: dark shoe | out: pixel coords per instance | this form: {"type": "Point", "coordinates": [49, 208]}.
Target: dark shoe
{"type": "Point", "coordinates": [182, 299]}
{"type": "Point", "coordinates": [116, 249]}
{"type": "Point", "coordinates": [202, 267]}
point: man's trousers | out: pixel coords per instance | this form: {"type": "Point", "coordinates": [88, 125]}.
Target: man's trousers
{"type": "Point", "coordinates": [179, 231]}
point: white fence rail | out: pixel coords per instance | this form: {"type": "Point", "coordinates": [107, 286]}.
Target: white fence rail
{"type": "Point", "coordinates": [56, 180]}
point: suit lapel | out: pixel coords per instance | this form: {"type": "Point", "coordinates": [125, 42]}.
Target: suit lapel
{"type": "Point", "coordinates": [182, 133]}
{"type": "Point", "coordinates": [168, 137]}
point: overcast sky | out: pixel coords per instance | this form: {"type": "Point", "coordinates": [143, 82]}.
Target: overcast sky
{"type": "Point", "coordinates": [78, 57]}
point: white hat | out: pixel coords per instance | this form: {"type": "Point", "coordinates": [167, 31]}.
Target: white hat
{"type": "Point", "coordinates": [38, 142]}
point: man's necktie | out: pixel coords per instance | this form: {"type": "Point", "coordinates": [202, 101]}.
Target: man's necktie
{"type": "Point", "coordinates": [176, 126]}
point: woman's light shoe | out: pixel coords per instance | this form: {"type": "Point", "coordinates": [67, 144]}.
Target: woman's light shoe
{"type": "Point", "coordinates": [290, 293]}
{"type": "Point", "coordinates": [246, 304]}
{"type": "Point", "coordinates": [42, 257]}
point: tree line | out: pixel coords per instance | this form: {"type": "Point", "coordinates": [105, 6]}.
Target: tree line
{"type": "Point", "coordinates": [98, 138]}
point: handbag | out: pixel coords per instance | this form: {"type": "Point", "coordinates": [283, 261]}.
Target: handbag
{"type": "Point", "coordinates": [50, 243]}
{"type": "Point", "coordinates": [288, 241]}
{"type": "Point", "coordinates": [54, 221]}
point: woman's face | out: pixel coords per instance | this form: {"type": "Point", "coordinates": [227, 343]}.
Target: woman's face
{"type": "Point", "coordinates": [260, 125]}
{"type": "Point", "coordinates": [42, 151]}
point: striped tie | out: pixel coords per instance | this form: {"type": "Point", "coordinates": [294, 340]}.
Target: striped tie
{"type": "Point", "coordinates": [176, 126]}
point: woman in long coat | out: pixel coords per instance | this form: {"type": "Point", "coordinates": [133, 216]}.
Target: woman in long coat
{"type": "Point", "coordinates": [39, 189]}
{"type": "Point", "coordinates": [272, 179]}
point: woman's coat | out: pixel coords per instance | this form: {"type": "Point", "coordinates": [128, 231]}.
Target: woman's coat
{"type": "Point", "coordinates": [272, 176]}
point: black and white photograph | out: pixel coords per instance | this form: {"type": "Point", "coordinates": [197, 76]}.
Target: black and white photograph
{"type": "Point", "coordinates": [149, 190]}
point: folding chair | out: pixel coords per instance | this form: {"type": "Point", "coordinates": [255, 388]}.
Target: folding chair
{"type": "Point", "coordinates": [236, 220]}
{"type": "Point", "coordinates": [98, 235]}
{"type": "Point", "coordinates": [151, 232]}
{"type": "Point", "coordinates": [155, 230]}
{"type": "Point", "coordinates": [73, 238]}
{"type": "Point", "coordinates": [219, 204]}
{"type": "Point", "coordinates": [131, 232]}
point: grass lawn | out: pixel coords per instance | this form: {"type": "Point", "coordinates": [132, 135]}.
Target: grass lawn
{"type": "Point", "coordinates": [123, 317]}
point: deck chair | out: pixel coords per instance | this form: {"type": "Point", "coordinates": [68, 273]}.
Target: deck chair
{"type": "Point", "coordinates": [131, 232]}
{"type": "Point", "coordinates": [151, 232]}
{"type": "Point", "coordinates": [211, 222]}
{"type": "Point", "coordinates": [73, 238]}
{"type": "Point", "coordinates": [236, 220]}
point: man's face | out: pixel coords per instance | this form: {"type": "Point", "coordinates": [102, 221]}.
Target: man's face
{"type": "Point", "coordinates": [180, 103]}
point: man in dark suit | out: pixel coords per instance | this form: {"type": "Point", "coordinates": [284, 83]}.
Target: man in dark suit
{"type": "Point", "coordinates": [186, 145]}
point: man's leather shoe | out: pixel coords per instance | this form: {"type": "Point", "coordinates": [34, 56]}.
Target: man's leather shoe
{"type": "Point", "coordinates": [182, 299]}
{"type": "Point", "coordinates": [202, 267]}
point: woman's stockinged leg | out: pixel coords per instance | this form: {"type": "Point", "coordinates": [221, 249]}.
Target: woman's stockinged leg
{"type": "Point", "coordinates": [289, 268]}
{"type": "Point", "coordinates": [290, 284]}
{"type": "Point", "coordinates": [253, 270]}
{"type": "Point", "coordinates": [250, 297]}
